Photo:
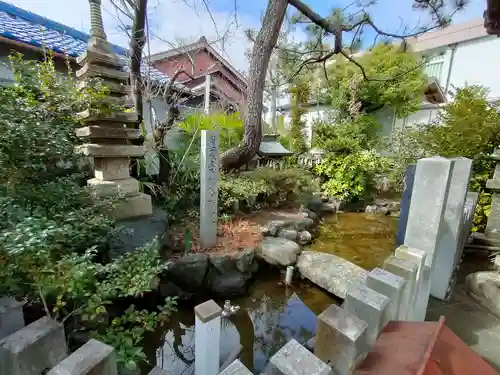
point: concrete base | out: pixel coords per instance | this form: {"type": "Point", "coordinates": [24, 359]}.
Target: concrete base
{"type": "Point", "coordinates": [33, 349]}
{"type": "Point", "coordinates": [136, 206]}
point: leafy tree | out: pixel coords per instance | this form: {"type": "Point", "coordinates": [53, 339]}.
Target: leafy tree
{"type": "Point", "coordinates": [54, 236]}
{"type": "Point", "coordinates": [469, 126]}
{"type": "Point", "coordinates": [300, 97]}
{"type": "Point", "coordinates": [351, 162]}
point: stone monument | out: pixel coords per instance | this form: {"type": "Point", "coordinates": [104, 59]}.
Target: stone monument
{"type": "Point", "coordinates": [209, 187]}
{"type": "Point", "coordinates": [108, 133]}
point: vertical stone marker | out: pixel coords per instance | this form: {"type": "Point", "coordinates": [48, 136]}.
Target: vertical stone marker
{"type": "Point", "coordinates": [405, 203]}
{"type": "Point", "coordinates": [207, 338]}
{"type": "Point", "coordinates": [430, 192]}
{"type": "Point", "coordinates": [444, 263]}
{"type": "Point", "coordinates": [209, 187]}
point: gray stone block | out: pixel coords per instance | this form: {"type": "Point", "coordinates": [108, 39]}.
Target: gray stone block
{"type": "Point", "coordinates": [370, 306]}
{"type": "Point", "coordinates": [33, 349]}
{"type": "Point", "coordinates": [93, 358]}
{"type": "Point", "coordinates": [294, 359]}
{"type": "Point", "coordinates": [235, 368]}
{"type": "Point", "coordinates": [11, 316]}
{"type": "Point", "coordinates": [340, 339]}
{"type": "Point", "coordinates": [391, 286]}
{"type": "Point", "coordinates": [407, 270]}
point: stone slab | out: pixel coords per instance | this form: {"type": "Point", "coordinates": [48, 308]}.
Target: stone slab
{"type": "Point", "coordinates": [33, 349]}
{"type": "Point", "coordinates": [409, 178]}
{"type": "Point", "coordinates": [449, 240]}
{"type": "Point", "coordinates": [11, 316]}
{"type": "Point", "coordinates": [103, 132]}
{"type": "Point", "coordinates": [330, 271]}
{"type": "Point", "coordinates": [207, 311]}
{"type": "Point", "coordinates": [93, 358]}
{"type": "Point", "coordinates": [391, 286]}
{"type": "Point", "coordinates": [109, 151]}
{"type": "Point", "coordinates": [340, 339]}
{"type": "Point", "coordinates": [236, 368]}
{"type": "Point", "coordinates": [127, 186]}
{"type": "Point", "coordinates": [430, 192]}
{"type": "Point", "coordinates": [370, 306]}
{"type": "Point", "coordinates": [135, 206]}
{"type": "Point", "coordinates": [294, 359]}
{"type": "Point", "coordinates": [408, 271]}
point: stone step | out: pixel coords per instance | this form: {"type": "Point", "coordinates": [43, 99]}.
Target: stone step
{"type": "Point", "coordinates": [11, 316]}
{"type": "Point", "coordinates": [93, 358]}
{"type": "Point", "coordinates": [33, 349]}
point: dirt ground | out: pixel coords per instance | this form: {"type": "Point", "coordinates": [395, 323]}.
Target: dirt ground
{"type": "Point", "coordinates": [473, 324]}
{"type": "Point", "coordinates": [239, 233]}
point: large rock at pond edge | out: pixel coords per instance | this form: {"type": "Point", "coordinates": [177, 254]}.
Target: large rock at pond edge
{"type": "Point", "coordinates": [242, 261]}
{"type": "Point", "coordinates": [279, 251]}
{"type": "Point", "coordinates": [138, 232]}
{"type": "Point", "coordinates": [330, 271]}
{"type": "Point", "coordinates": [315, 205]}
{"type": "Point", "coordinates": [484, 287]}
{"type": "Point", "coordinates": [189, 271]}
{"type": "Point", "coordinates": [228, 284]}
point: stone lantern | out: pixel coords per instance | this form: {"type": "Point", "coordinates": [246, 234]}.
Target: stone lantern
{"type": "Point", "coordinates": [108, 134]}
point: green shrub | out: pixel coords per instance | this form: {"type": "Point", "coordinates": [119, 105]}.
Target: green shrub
{"type": "Point", "coordinates": [469, 126]}
{"type": "Point", "coordinates": [265, 187]}
{"type": "Point", "coordinates": [350, 177]}
{"type": "Point", "coordinates": [53, 233]}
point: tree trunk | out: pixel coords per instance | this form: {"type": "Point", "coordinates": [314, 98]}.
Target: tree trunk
{"type": "Point", "coordinates": [492, 17]}
{"type": "Point", "coordinates": [137, 42]}
{"type": "Point", "coordinates": [263, 46]}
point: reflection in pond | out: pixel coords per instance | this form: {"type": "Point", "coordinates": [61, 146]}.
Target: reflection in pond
{"type": "Point", "coordinates": [269, 317]}
{"type": "Point", "coordinates": [362, 238]}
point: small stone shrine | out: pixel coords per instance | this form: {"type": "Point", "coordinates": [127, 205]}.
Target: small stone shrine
{"type": "Point", "coordinates": [108, 132]}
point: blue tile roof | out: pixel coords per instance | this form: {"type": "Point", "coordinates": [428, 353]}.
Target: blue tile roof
{"type": "Point", "coordinates": [26, 27]}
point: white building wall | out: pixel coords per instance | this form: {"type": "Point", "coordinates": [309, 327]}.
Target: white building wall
{"type": "Point", "coordinates": [476, 62]}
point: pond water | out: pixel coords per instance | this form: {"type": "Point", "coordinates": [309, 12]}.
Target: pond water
{"type": "Point", "coordinates": [271, 314]}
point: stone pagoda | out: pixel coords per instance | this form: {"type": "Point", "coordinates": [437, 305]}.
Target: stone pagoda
{"type": "Point", "coordinates": [108, 132]}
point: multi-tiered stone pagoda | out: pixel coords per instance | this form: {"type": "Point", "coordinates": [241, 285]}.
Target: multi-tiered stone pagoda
{"type": "Point", "coordinates": [108, 133]}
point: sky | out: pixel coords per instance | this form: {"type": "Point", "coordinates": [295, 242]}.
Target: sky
{"type": "Point", "coordinates": [223, 22]}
